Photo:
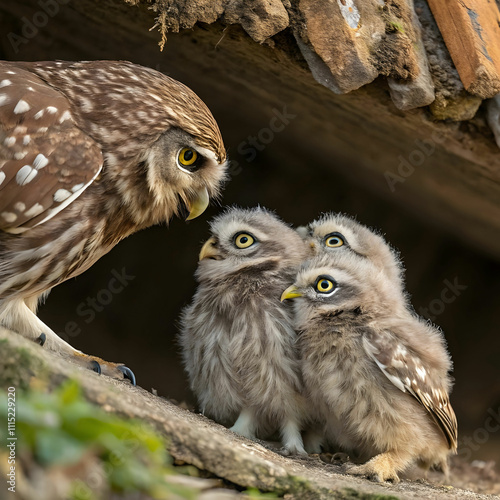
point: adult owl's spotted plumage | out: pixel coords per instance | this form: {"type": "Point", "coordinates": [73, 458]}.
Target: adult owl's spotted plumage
{"type": "Point", "coordinates": [238, 339]}
{"type": "Point", "coordinates": [91, 152]}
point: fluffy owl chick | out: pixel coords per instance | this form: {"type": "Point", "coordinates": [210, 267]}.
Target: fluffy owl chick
{"type": "Point", "coordinates": [378, 379]}
{"type": "Point", "coordinates": [91, 152]}
{"type": "Point", "coordinates": [237, 338]}
{"type": "Point", "coordinates": [335, 234]}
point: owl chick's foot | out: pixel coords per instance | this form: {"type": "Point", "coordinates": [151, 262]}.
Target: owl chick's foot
{"type": "Point", "coordinates": [380, 468]}
{"type": "Point", "coordinates": [292, 439]}
{"type": "Point", "coordinates": [245, 424]}
{"type": "Point", "coordinates": [98, 365]}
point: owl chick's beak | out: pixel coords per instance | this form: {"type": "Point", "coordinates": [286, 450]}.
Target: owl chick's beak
{"type": "Point", "coordinates": [290, 293]}
{"type": "Point", "coordinates": [198, 205]}
{"type": "Point", "coordinates": [209, 250]}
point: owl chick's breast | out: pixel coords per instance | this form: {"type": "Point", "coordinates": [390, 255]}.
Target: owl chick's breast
{"type": "Point", "coordinates": [239, 348]}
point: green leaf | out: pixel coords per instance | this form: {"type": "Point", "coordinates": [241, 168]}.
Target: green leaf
{"type": "Point", "coordinates": [53, 447]}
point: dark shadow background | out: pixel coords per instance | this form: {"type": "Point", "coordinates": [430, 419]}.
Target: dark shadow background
{"type": "Point", "coordinates": [300, 174]}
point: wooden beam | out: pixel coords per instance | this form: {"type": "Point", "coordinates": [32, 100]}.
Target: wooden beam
{"type": "Point", "coordinates": [471, 31]}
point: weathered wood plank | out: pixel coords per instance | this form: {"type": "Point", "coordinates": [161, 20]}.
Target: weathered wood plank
{"type": "Point", "coordinates": [471, 30]}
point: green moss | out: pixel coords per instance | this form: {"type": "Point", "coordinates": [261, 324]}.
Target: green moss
{"type": "Point", "coordinates": [393, 26]}
{"type": "Point", "coordinates": [18, 367]}
{"type": "Point", "coordinates": [63, 430]}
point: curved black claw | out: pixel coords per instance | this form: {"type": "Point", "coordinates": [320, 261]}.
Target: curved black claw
{"type": "Point", "coordinates": [95, 366]}
{"type": "Point", "coordinates": [127, 373]}
{"type": "Point", "coordinates": [41, 340]}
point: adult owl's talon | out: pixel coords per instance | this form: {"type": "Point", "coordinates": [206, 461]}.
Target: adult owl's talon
{"type": "Point", "coordinates": [41, 339]}
{"type": "Point", "coordinates": [127, 373]}
{"type": "Point", "coordinates": [95, 366]}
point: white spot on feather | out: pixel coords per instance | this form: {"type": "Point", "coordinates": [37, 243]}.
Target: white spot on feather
{"type": "Point", "coordinates": [25, 175]}
{"type": "Point", "coordinates": [5, 83]}
{"type": "Point", "coordinates": [39, 114]}
{"type": "Point", "coordinates": [9, 141]}
{"type": "Point", "coordinates": [65, 116]}
{"type": "Point", "coordinates": [64, 204]}
{"type": "Point", "coordinates": [40, 161]}
{"type": "Point", "coordinates": [20, 155]}
{"type": "Point", "coordinates": [400, 351]}
{"type": "Point", "coordinates": [77, 187]}
{"type": "Point", "coordinates": [61, 194]}
{"type": "Point", "coordinates": [9, 216]}
{"type": "Point", "coordinates": [26, 140]}
{"type": "Point", "coordinates": [21, 107]}
{"type": "Point", "coordinates": [421, 372]}
{"type": "Point", "coordinates": [35, 210]}
{"type": "Point", "coordinates": [52, 110]}
{"type": "Point", "coordinates": [4, 99]}
{"type": "Point", "coordinates": [2, 177]}
{"type": "Point", "coordinates": [20, 206]}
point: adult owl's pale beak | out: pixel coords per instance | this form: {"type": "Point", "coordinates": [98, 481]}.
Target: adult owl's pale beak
{"type": "Point", "coordinates": [209, 250]}
{"type": "Point", "coordinates": [198, 205]}
{"type": "Point", "coordinates": [290, 293]}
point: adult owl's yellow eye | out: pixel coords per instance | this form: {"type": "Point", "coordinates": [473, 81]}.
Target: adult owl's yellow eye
{"type": "Point", "coordinates": [325, 284]}
{"type": "Point", "coordinates": [187, 157]}
{"type": "Point", "coordinates": [334, 240]}
{"type": "Point", "coordinates": [244, 240]}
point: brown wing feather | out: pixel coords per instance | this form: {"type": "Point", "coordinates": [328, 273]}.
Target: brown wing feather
{"type": "Point", "coordinates": [405, 369]}
{"type": "Point", "coordinates": [46, 161]}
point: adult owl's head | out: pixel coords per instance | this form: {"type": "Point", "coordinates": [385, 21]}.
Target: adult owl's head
{"type": "Point", "coordinates": [251, 243]}
{"type": "Point", "coordinates": [336, 234]}
{"type": "Point", "coordinates": [71, 127]}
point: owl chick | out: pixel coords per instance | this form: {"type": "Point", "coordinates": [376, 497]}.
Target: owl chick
{"type": "Point", "coordinates": [337, 233]}
{"type": "Point", "coordinates": [90, 153]}
{"type": "Point", "coordinates": [237, 338]}
{"type": "Point", "coordinates": [377, 376]}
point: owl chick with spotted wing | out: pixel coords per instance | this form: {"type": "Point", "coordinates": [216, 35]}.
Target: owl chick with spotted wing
{"type": "Point", "coordinates": [91, 152]}
{"type": "Point", "coordinates": [237, 338]}
{"type": "Point", "coordinates": [338, 235]}
{"type": "Point", "coordinates": [375, 373]}
{"type": "Point", "coordinates": [334, 234]}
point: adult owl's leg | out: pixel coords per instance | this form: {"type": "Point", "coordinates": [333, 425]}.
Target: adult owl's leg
{"type": "Point", "coordinates": [245, 424]}
{"type": "Point", "coordinates": [19, 316]}
{"type": "Point", "coordinates": [291, 438]}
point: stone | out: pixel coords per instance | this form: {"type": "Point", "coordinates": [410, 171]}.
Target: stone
{"type": "Point", "coordinates": [418, 91]}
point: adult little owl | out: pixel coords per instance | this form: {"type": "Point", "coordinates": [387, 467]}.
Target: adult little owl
{"type": "Point", "coordinates": [91, 152]}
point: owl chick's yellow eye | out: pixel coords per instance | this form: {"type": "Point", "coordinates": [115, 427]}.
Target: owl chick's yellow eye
{"type": "Point", "coordinates": [325, 284]}
{"type": "Point", "coordinates": [244, 240]}
{"type": "Point", "coordinates": [334, 240]}
{"type": "Point", "coordinates": [187, 157]}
